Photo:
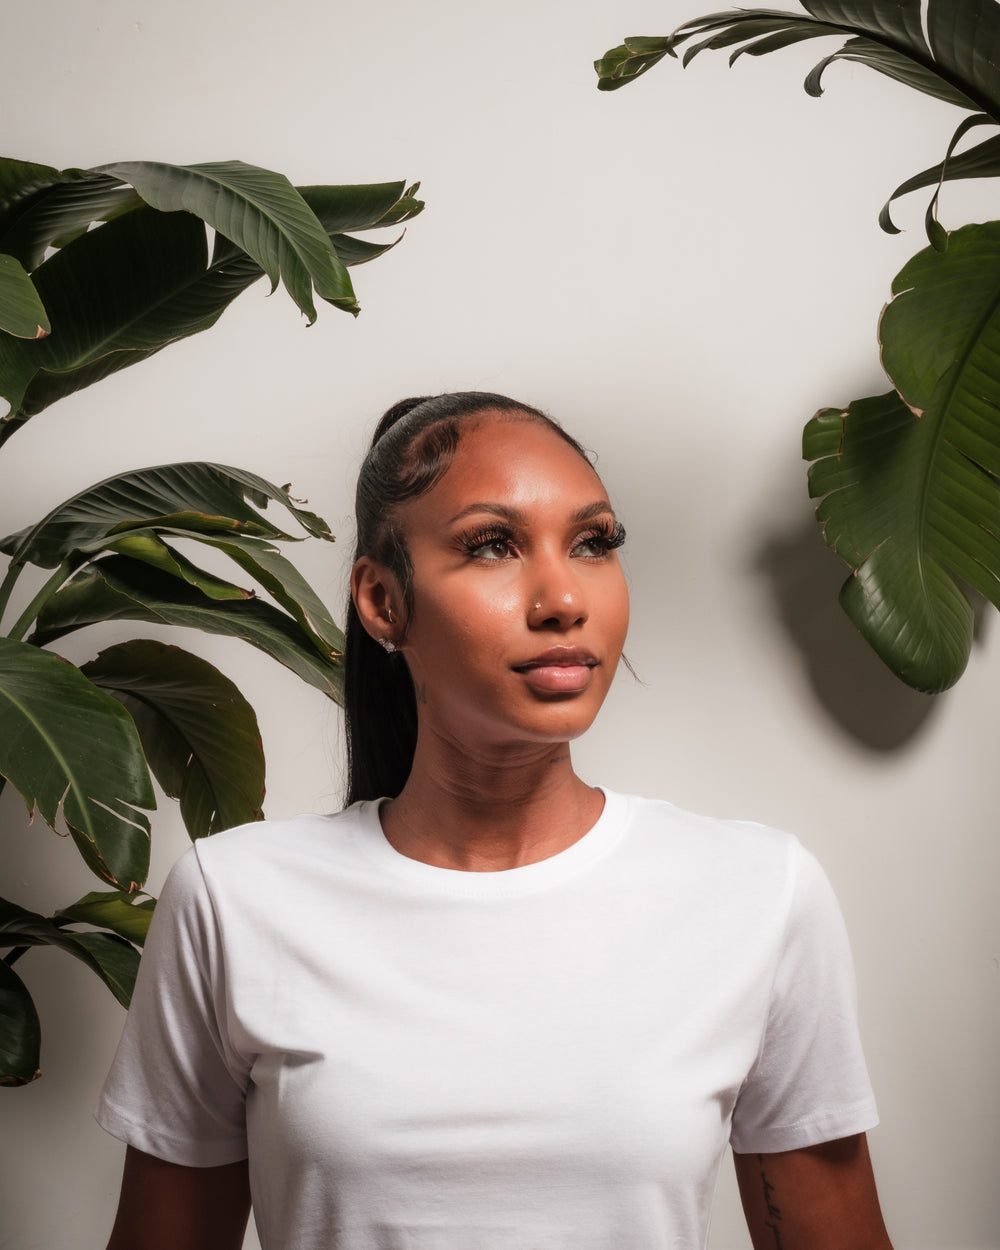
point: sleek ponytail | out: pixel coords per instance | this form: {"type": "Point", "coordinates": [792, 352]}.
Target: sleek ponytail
{"type": "Point", "coordinates": [412, 447]}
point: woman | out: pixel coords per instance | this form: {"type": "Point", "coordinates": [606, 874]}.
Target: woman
{"type": "Point", "coordinates": [498, 1009]}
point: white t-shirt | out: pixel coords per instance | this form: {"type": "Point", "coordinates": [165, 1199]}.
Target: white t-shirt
{"type": "Point", "coordinates": [555, 1056]}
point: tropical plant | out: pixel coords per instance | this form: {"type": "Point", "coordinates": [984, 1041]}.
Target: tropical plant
{"type": "Point", "coordinates": [907, 480]}
{"type": "Point", "coordinates": [99, 269]}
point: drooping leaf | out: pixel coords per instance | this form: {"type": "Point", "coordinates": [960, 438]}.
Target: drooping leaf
{"type": "Point", "coordinates": [281, 579]}
{"type": "Point", "coordinates": [630, 60]}
{"type": "Point", "coordinates": [362, 207]}
{"type": "Point", "coordinates": [69, 748]}
{"type": "Point", "coordinates": [982, 161]}
{"type": "Point", "coordinates": [913, 501]}
{"type": "Point", "coordinates": [20, 1031]}
{"type": "Point", "coordinates": [959, 66]}
{"type": "Point", "coordinates": [21, 311]}
{"type": "Point", "coordinates": [23, 184]}
{"type": "Point", "coordinates": [869, 463]}
{"type": "Point", "coordinates": [147, 546]}
{"type": "Point", "coordinates": [116, 588]}
{"type": "Point", "coordinates": [116, 295]}
{"type": "Point", "coordinates": [115, 960]}
{"type": "Point", "coordinates": [197, 496]}
{"type": "Point", "coordinates": [61, 211]}
{"type": "Point", "coordinates": [258, 210]}
{"type": "Point", "coordinates": [199, 733]}
{"type": "Point", "coordinates": [115, 910]}
{"type": "Point", "coordinates": [143, 280]}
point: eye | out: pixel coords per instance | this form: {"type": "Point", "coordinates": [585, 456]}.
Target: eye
{"type": "Point", "coordinates": [600, 541]}
{"type": "Point", "coordinates": [492, 544]}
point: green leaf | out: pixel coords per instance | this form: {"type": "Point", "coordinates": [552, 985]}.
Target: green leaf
{"type": "Point", "coordinates": [146, 546]}
{"type": "Point", "coordinates": [363, 207]}
{"type": "Point", "coordinates": [119, 293]}
{"type": "Point", "coordinates": [115, 295]}
{"type": "Point", "coordinates": [114, 960]}
{"type": "Point", "coordinates": [982, 161]}
{"type": "Point", "coordinates": [959, 66]}
{"type": "Point", "coordinates": [122, 913]}
{"type": "Point", "coordinates": [20, 1032]}
{"type": "Point", "coordinates": [21, 311]}
{"type": "Point", "coordinates": [629, 61]}
{"type": "Point", "coordinates": [69, 748]}
{"type": "Point", "coordinates": [198, 496]}
{"type": "Point", "coordinates": [911, 480]}
{"type": "Point", "coordinates": [281, 579]}
{"type": "Point", "coordinates": [116, 588]}
{"type": "Point", "coordinates": [23, 186]}
{"type": "Point", "coordinates": [898, 65]}
{"type": "Point", "coordinates": [62, 211]}
{"type": "Point", "coordinates": [258, 210]}
{"type": "Point", "coordinates": [870, 461]}
{"type": "Point", "coordinates": [199, 733]}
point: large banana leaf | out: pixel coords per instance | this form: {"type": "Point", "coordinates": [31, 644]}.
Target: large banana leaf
{"type": "Point", "coordinates": [258, 210]}
{"type": "Point", "coordinates": [960, 64]}
{"type": "Point", "coordinates": [196, 495]}
{"type": "Point", "coordinates": [198, 732]}
{"type": "Point", "coordinates": [114, 959]}
{"type": "Point", "coordinates": [910, 480]}
{"type": "Point", "coordinates": [69, 748]}
{"type": "Point", "coordinates": [122, 913]}
{"type": "Point", "coordinates": [119, 293]}
{"type": "Point", "coordinates": [118, 588]}
{"type": "Point", "coordinates": [21, 311]}
{"type": "Point", "coordinates": [20, 1031]}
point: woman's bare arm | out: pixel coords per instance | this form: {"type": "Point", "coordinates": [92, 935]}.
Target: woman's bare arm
{"type": "Point", "coordinates": [165, 1206]}
{"type": "Point", "coordinates": [819, 1198]}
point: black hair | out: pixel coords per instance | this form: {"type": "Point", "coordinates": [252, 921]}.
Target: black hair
{"type": "Point", "coordinates": [411, 449]}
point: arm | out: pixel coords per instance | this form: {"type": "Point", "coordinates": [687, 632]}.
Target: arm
{"type": "Point", "coordinates": [165, 1206]}
{"type": "Point", "coordinates": [819, 1198]}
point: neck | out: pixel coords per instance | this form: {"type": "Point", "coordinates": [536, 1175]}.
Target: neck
{"type": "Point", "coordinates": [489, 814]}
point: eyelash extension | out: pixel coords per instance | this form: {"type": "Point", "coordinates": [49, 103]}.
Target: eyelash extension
{"type": "Point", "coordinates": [608, 534]}
{"type": "Point", "coordinates": [482, 538]}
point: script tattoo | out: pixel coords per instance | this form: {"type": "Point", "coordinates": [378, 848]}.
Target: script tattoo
{"type": "Point", "coordinates": [773, 1210]}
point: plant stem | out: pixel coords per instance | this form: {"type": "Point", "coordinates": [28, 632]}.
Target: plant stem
{"type": "Point", "coordinates": [14, 955]}
{"type": "Point", "coordinates": [23, 622]}
{"type": "Point", "coordinates": [7, 585]}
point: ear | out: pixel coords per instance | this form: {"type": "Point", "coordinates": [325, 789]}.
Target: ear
{"type": "Point", "coordinates": [378, 600]}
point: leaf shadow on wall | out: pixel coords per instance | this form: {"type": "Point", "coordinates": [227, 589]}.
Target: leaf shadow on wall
{"type": "Point", "coordinates": [851, 683]}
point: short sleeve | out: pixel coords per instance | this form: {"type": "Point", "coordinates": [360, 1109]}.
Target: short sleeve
{"type": "Point", "coordinates": [177, 1086]}
{"type": "Point", "coordinates": [809, 1083]}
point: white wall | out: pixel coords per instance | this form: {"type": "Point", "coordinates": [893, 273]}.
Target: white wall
{"type": "Point", "coordinates": [683, 272]}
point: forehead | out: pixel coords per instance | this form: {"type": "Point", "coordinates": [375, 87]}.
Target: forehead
{"type": "Point", "coordinates": [514, 461]}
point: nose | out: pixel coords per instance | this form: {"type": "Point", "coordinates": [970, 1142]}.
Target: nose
{"type": "Point", "coordinates": [557, 601]}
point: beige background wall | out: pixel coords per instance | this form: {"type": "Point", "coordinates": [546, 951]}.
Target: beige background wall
{"type": "Point", "coordinates": [682, 272]}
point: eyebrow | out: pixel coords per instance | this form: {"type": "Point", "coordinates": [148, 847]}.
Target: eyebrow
{"type": "Point", "coordinates": [600, 507]}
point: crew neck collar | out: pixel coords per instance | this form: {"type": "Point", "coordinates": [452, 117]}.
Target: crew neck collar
{"type": "Point", "coordinates": [508, 882]}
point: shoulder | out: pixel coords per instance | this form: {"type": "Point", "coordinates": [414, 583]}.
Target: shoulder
{"type": "Point", "coordinates": [721, 861]}
{"type": "Point", "coordinates": [664, 827]}
{"type": "Point", "coordinates": [271, 855]}
{"type": "Point", "coordinates": [264, 841]}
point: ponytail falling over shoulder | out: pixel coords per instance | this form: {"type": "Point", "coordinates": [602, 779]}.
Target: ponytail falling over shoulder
{"type": "Point", "coordinates": [413, 446]}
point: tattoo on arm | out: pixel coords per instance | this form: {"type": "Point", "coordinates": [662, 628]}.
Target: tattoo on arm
{"type": "Point", "coordinates": [773, 1210]}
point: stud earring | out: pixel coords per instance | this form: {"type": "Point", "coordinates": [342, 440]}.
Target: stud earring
{"type": "Point", "coordinates": [387, 645]}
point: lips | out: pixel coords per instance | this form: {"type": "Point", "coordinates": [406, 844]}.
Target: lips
{"type": "Point", "coordinates": [560, 670]}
